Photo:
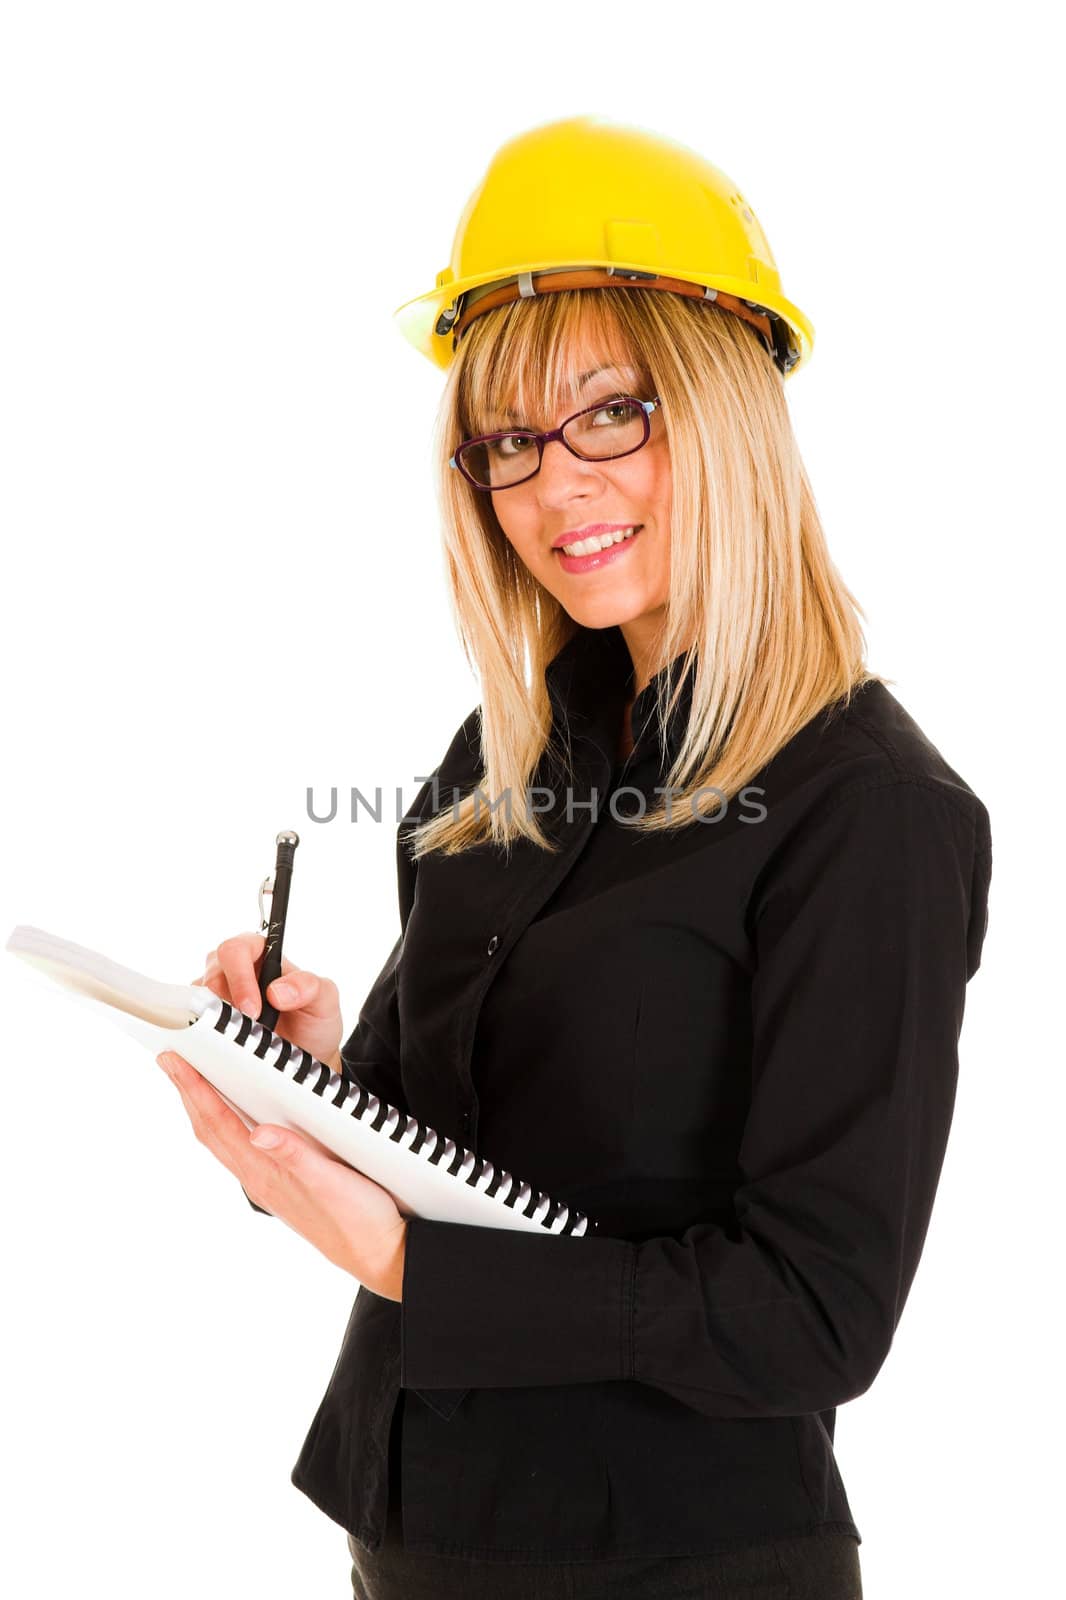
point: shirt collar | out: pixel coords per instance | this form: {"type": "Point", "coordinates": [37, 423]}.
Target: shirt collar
{"type": "Point", "coordinates": [591, 678]}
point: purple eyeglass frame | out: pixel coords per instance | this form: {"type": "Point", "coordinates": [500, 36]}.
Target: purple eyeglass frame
{"type": "Point", "coordinates": [541, 439]}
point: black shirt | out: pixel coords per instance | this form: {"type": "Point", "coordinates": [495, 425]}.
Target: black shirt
{"type": "Point", "coordinates": [735, 1048]}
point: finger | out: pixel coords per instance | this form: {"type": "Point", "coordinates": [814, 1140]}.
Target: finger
{"type": "Point", "coordinates": [237, 959]}
{"type": "Point", "coordinates": [214, 1123]}
{"type": "Point", "coordinates": [253, 943]}
{"type": "Point", "coordinates": [213, 966]}
{"type": "Point", "coordinates": [305, 992]}
{"type": "Point", "coordinates": [215, 980]}
{"type": "Point", "coordinates": [255, 1157]}
{"type": "Point", "coordinates": [265, 1137]}
{"type": "Point", "coordinates": [276, 1159]}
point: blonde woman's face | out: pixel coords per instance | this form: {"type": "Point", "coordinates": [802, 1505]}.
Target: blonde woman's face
{"type": "Point", "coordinates": [623, 581]}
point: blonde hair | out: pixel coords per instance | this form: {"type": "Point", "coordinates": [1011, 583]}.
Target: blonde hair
{"type": "Point", "coordinates": [763, 620]}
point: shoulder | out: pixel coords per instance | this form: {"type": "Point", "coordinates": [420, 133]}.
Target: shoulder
{"type": "Point", "coordinates": [857, 746]}
{"type": "Point", "coordinates": [865, 821]}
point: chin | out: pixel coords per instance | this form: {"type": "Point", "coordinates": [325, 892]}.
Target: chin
{"type": "Point", "coordinates": [605, 612]}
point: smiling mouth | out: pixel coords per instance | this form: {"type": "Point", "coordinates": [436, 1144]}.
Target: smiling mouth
{"type": "Point", "coordinates": [598, 541]}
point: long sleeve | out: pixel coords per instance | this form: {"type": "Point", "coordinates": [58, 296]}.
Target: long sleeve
{"type": "Point", "coordinates": [866, 925]}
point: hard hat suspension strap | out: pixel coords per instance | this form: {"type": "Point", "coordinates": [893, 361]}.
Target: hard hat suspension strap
{"type": "Point", "coordinates": [458, 317]}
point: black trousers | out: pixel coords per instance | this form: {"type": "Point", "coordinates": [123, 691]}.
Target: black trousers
{"type": "Point", "coordinates": [817, 1567]}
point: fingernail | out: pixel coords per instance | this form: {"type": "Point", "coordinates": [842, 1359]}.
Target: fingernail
{"type": "Point", "coordinates": [250, 1006]}
{"type": "Point", "coordinates": [265, 1138]}
{"type": "Point", "coordinates": [164, 1062]}
{"type": "Point", "coordinates": [284, 992]}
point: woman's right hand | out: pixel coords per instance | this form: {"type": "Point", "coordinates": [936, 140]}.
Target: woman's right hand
{"type": "Point", "coordinates": [308, 1007]}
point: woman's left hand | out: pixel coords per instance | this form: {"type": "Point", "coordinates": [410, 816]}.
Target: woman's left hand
{"type": "Point", "coordinates": [352, 1220]}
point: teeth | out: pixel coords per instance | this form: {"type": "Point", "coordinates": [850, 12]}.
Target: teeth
{"type": "Point", "coordinates": [599, 541]}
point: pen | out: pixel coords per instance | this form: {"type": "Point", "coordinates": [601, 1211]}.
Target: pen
{"type": "Point", "coordinates": [274, 926]}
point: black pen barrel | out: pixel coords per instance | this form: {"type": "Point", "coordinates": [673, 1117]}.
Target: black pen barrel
{"type": "Point", "coordinates": [270, 966]}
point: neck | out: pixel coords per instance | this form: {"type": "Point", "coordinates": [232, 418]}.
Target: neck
{"type": "Point", "coordinates": [643, 641]}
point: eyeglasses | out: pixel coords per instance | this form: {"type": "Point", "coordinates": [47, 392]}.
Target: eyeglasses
{"type": "Point", "coordinates": [602, 432]}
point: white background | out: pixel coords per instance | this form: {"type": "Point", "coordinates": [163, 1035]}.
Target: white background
{"type": "Point", "coordinates": [223, 583]}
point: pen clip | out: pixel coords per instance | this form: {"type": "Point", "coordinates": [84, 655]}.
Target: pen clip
{"type": "Point", "coordinates": [266, 887]}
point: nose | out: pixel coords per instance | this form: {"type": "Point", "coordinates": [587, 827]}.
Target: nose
{"type": "Point", "coordinates": [564, 476]}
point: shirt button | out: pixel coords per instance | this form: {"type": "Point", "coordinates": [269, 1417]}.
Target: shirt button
{"type": "Point", "coordinates": [493, 942]}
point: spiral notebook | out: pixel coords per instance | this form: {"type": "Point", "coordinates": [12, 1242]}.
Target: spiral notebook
{"type": "Point", "coordinates": [265, 1078]}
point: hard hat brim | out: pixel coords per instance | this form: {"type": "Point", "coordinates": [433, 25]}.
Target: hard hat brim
{"type": "Point", "coordinates": [417, 318]}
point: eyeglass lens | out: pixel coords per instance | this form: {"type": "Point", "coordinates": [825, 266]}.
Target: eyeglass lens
{"type": "Point", "coordinates": [612, 429]}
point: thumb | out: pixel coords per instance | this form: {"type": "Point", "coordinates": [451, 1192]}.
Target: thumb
{"type": "Point", "coordinates": [267, 1138]}
{"type": "Point", "coordinates": [297, 1150]}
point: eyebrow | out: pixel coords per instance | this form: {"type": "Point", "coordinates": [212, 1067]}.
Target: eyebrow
{"type": "Point", "coordinates": [583, 379]}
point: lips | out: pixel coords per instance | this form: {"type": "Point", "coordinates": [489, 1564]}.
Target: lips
{"type": "Point", "coordinates": [593, 530]}
{"type": "Point", "coordinates": [598, 558]}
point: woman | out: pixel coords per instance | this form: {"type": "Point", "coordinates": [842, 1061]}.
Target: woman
{"type": "Point", "coordinates": [688, 910]}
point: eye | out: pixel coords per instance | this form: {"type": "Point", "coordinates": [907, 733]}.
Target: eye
{"type": "Point", "coordinates": [511, 445]}
{"type": "Point", "coordinates": [615, 412]}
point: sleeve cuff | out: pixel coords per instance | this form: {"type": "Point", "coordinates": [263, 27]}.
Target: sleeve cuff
{"type": "Point", "coordinates": [263, 1212]}
{"type": "Point", "coordinates": [499, 1308]}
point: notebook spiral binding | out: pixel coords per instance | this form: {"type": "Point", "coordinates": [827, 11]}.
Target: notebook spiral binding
{"type": "Point", "coordinates": [406, 1131]}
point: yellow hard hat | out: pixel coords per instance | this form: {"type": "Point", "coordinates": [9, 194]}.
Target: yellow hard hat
{"type": "Point", "coordinates": [587, 203]}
